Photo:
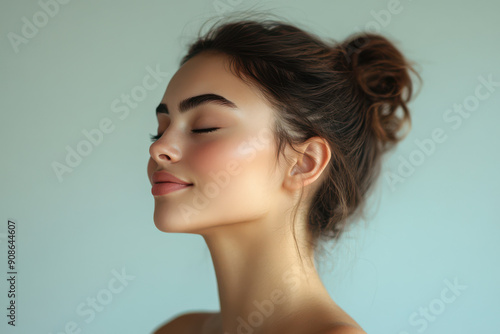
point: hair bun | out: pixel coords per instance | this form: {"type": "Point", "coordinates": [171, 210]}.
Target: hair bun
{"type": "Point", "coordinates": [382, 75]}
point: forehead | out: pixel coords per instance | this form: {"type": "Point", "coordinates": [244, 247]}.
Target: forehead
{"type": "Point", "coordinates": [208, 72]}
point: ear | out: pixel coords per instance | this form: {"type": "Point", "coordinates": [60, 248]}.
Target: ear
{"type": "Point", "coordinates": [308, 164]}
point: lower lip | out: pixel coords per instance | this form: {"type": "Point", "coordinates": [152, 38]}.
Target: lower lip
{"type": "Point", "coordinates": [164, 188]}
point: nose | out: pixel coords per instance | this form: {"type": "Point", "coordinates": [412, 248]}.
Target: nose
{"type": "Point", "coordinates": [165, 150]}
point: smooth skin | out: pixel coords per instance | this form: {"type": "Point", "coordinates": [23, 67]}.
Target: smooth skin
{"type": "Point", "coordinates": [246, 217]}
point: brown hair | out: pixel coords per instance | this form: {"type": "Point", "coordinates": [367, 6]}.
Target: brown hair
{"type": "Point", "coordinates": [347, 93]}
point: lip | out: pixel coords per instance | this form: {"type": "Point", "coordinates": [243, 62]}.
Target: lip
{"type": "Point", "coordinates": [165, 183]}
{"type": "Point", "coordinates": [163, 188]}
{"type": "Point", "coordinates": [162, 176]}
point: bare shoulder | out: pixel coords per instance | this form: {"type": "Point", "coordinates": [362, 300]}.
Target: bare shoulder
{"type": "Point", "coordinates": [342, 329]}
{"type": "Point", "coordinates": [186, 323]}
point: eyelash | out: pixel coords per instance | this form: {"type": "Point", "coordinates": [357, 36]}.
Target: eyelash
{"type": "Point", "coordinates": [156, 137]}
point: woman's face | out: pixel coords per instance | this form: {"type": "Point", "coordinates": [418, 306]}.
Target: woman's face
{"type": "Point", "coordinates": [232, 169]}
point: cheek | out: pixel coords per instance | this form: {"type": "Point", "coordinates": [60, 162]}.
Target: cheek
{"type": "Point", "coordinates": [245, 164]}
{"type": "Point", "coordinates": [213, 157]}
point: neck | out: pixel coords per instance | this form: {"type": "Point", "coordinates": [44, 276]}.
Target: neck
{"type": "Point", "coordinates": [261, 277]}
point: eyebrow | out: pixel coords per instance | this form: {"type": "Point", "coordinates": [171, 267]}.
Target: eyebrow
{"type": "Point", "coordinates": [195, 101]}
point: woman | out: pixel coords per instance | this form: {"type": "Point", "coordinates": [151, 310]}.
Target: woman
{"type": "Point", "coordinates": [268, 142]}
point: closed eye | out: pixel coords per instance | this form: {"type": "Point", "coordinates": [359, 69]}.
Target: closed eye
{"type": "Point", "coordinates": [156, 137]}
{"type": "Point", "coordinates": [204, 130]}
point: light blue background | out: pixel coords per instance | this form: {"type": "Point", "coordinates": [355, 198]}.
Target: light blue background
{"type": "Point", "coordinates": [440, 224]}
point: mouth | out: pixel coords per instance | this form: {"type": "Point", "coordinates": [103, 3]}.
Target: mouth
{"type": "Point", "coordinates": [164, 188]}
{"type": "Point", "coordinates": [166, 177]}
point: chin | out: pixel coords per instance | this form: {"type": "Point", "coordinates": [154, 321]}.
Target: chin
{"type": "Point", "coordinates": [171, 219]}
{"type": "Point", "coordinates": [171, 223]}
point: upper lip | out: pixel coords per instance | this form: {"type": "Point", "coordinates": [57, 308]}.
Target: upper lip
{"type": "Point", "coordinates": [162, 176]}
